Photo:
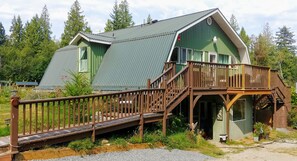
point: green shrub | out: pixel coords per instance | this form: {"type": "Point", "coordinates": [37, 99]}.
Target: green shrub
{"type": "Point", "coordinates": [292, 118]}
{"type": "Point", "coordinates": [78, 145]}
{"type": "Point", "coordinates": [78, 85]}
{"type": "Point", "coordinates": [177, 124]}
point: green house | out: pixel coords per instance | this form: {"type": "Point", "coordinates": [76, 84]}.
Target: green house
{"type": "Point", "coordinates": [125, 59]}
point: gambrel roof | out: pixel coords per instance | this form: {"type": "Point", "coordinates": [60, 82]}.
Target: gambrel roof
{"type": "Point", "coordinates": [138, 53]}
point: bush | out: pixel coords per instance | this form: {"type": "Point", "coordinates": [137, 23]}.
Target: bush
{"type": "Point", "coordinates": [120, 142]}
{"type": "Point", "coordinates": [78, 145]}
{"type": "Point", "coordinates": [78, 85]}
{"type": "Point", "coordinates": [5, 131]}
{"type": "Point", "coordinates": [292, 118]}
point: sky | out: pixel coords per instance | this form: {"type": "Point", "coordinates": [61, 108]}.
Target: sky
{"type": "Point", "coordinates": [250, 14]}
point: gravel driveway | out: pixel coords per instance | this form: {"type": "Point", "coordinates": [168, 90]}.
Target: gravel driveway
{"type": "Point", "coordinates": [141, 155]}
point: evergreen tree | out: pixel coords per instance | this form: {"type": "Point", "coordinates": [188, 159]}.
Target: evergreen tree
{"type": "Point", "coordinates": [267, 33]}
{"type": "Point", "coordinates": [108, 26]}
{"type": "Point", "coordinates": [285, 39]}
{"type": "Point", "coordinates": [125, 15]}
{"type": "Point", "coordinates": [149, 19]}
{"type": "Point", "coordinates": [33, 35]}
{"type": "Point", "coordinates": [2, 34]}
{"type": "Point", "coordinates": [233, 23]}
{"type": "Point", "coordinates": [120, 17]}
{"type": "Point", "coordinates": [45, 23]}
{"type": "Point", "coordinates": [74, 24]}
{"type": "Point", "coordinates": [245, 38]}
{"type": "Point", "coordinates": [16, 30]}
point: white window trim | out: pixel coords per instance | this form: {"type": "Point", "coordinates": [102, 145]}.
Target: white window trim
{"type": "Point", "coordinates": [79, 59]}
{"type": "Point", "coordinates": [212, 53]}
{"type": "Point", "coordinates": [245, 107]}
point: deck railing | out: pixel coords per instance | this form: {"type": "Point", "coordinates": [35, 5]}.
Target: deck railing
{"type": "Point", "coordinates": [45, 115]}
{"type": "Point", "coordinates": [232, 76]}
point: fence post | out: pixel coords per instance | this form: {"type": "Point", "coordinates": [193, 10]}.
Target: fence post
{"type": "Point", "coordinates": [14, 102]}
{"type": "Point", "coordinates": [93, 120]}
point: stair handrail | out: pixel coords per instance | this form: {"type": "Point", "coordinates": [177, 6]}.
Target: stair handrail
{"type": "Point", "coordinates": [178, 74]}
{"type": "Point", "coordinates": [156, 82]}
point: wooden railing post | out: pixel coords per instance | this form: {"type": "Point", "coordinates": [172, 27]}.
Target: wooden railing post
{"type": "Point", "coordinates": [269, 78]}
{"type": "Point", "coordinates": [227, 75]}
{"type": "Point", "coordinates": [164, 122]}
{"type": "Point", "coordinates": [141, 122]}
{"type": "Point", "coordinates": [14, 102]}
{"type": "Point", "coordinates": [148, 83]}
{"type": "Point", "coordinates": [243, 76]}
{"type": "Point", "coordinates": [93, 120]}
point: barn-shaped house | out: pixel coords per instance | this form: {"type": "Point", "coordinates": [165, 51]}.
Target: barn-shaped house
{"type": "Point", "coordinates": [215, 85]}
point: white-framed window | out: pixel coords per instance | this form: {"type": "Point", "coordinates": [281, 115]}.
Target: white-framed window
{"type": "Point", "coordinates": [83, 59]}
{"type": "Point", "coordinates": [238, 110]}
{"type": "Point", "coordinates": [183, 56]}
{"type": "Point", "coordinates": [224, 59]}
{"type": "Point", "coordinates": [198, 56]}
{"type": "Point", "coordinates": [212, 57]}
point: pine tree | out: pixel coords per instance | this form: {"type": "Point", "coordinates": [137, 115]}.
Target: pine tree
{"type": "Point", "coordinates": [245, 38]}
{"type": "Point", "coordinates": [120, 17]}
{"type": "Point", "coordinates": [74, 24]}
{"type": "Point", "coordinates": [16, 30]}
{"type": "Point", "coordinates": [149, 19]}
{"type": "Point", "coordinates": [45, 23]}
{"type": "Point", "coordinates": [108, 26]}
{"type": "Point", "coordinates": [233, 23]}
{"type": "Point", "coordinates": [285, 39]}
{"type": "Point", "coordinates": [2, 34]}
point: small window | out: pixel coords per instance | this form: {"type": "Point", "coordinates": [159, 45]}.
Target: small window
{"type": "Point", "coordinates": [239, 110]}
{"type": "Point", "coordinates": [223, 59]}
{"type": "Point", "coordinates": [183, 56]}
{"type": "Point", "coordinates": [83, 59]}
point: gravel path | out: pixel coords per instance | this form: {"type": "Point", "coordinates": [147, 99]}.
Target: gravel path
{"type": "Point", "coordinates": [141, 155]}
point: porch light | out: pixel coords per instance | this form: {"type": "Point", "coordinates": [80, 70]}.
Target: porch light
{"type": "Point", "coordinates": [178, 38]}
{"type": "Point", "coordinates": [214, 40]}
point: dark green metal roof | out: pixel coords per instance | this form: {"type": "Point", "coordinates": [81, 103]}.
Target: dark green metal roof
{"type": "Point", "coordinates": [57, 72]}
{"type": "Point", "coordinates": [129, 64]}
{"type": "Point", "coordinates": [138, 53]}
{"type": "Point", "coordinates": [160, 27]}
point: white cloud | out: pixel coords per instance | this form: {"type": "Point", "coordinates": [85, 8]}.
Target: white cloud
{"type": "Point", "coordinates": [251, 14]}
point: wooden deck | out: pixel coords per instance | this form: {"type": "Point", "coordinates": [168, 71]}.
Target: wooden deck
{"type": "Point", "coordinates": [49, 121]}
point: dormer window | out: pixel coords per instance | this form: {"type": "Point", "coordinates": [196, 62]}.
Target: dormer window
{"type": "Point", "coordinates": [83, 59]}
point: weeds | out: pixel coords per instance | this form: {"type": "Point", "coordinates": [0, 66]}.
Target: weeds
{"type": "Point", "coordinates": [4, 131]}
{"type": "Point", "coordinates": [81, 145]}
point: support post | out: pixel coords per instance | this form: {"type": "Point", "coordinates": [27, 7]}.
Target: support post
{"type": "Point", "coordinates": [227, 116]}
{"type": "Point", "coordinates": [269, 78]}
{"type": "Point", "coordinates": [148, 83]}
{"type": "Point", "coordinates": [164, 122]}
{"type": "Point", "coordinates": [190, 83]}
{"type": "Point", "coordinates": [14, 102]}
{"type": "Point", "coordinates": [274, 110]}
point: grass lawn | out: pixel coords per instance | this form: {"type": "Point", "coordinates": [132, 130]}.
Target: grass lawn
{"type": "Point", "coordinates": [4, 114]}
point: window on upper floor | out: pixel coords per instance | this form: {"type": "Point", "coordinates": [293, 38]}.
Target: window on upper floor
{"type": "Point", "coordinates": [83, 59]}
{"type": "Point", "coordinates": [239, 110]}
{"type": "Point", "coordinates": [224, 59]}
{"type": "Point", "coordinates": [198, 56]}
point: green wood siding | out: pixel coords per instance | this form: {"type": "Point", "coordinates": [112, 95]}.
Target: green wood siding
{"type": "Point", "coordinates": [200, 37]}
{"type": "Point", "coordinates": [95, 57]}
{"type": "Point", "coordinates": [97, 53]}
